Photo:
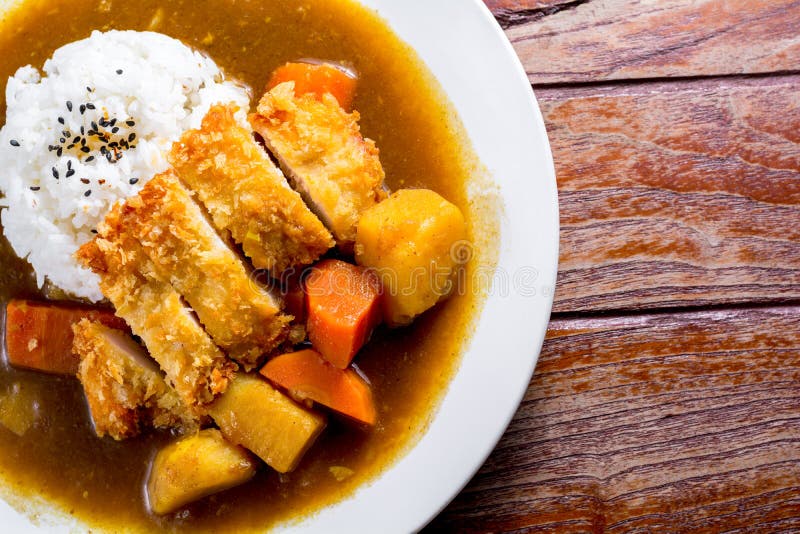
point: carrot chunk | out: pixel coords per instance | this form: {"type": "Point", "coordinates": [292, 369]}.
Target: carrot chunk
{"type": "Point", "coordinates": [305, 375]}
{"type": "Point", "coordinates": [39, 334]}
{"type": "Point", "coordinates": [343, 304]}
{"type": "Point", "coordinates": [317, 79]}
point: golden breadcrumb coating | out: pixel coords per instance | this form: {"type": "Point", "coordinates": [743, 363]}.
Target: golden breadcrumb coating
{"type": "Point", "coordinates": [124, 388]}
{"type": "Point", "coordinates": [247, 195]}
{"type": "Point", "coordinates": [320, 147]}
{"type": "Point", "coordinates": [239, 314]}
{"type": "Point", "coordinates": [195, 367]}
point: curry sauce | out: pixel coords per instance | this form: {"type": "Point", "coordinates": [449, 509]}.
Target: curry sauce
{"type": "Point", "coordinates": [421, 145]}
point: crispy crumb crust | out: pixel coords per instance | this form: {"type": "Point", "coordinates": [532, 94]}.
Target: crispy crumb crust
{"type": "Point", "coordinates": [247, 195]}
{"type": "Point", "coordinates": [124, 393]}
{"type": "Point", "coordinates": [195, 367]}
{"type": "Point", "coordinates": [240, 315]}
{"type": "Point", "coordinates": [320, 147]}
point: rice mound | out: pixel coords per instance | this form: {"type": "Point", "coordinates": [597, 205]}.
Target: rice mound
{"type": "Point", "coordinates": [138, 90]}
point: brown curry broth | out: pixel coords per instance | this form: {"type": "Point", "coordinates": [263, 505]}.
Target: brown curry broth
{"type": "Point", "coordinates": [101, 480]}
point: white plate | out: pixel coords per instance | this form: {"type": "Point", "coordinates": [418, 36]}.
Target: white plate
{"type": "Point", "coordinates": [468, 53]}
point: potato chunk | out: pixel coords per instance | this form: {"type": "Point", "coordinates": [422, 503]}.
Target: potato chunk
{"type": "Point", "coordinates": [413, 241]}
{"type": "Point", "coordinates": [196, 466]}
{"type": "Point", "coordinates": [258, 417]}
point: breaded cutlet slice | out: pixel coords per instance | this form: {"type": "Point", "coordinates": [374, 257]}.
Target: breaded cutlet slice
{"type": "Point", "coordinates": [320, 147]}
{"type": "Point", "coordinates": [194, 366]}
{"type": "Point", "coordinates": [246, 194]}
{"type": "Point", "coordinates": [239, 314]}
{"type": "Point", "coordinates": [123, 386]}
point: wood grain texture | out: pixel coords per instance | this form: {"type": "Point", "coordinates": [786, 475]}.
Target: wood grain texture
{"type": "Point", "coordinates": [677, 194]}
{"type": "Point", "coordinates": [597, 40]}
{"type": "Point", "coordinates": [511, 12]}
{"type": "Point", "coordinates": [686, 422]}
{"type": "Point", "coordinates": [521, 6]}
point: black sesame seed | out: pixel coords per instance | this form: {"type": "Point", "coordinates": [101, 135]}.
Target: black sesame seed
{"type": "Point", "coordinates": [61, 120]}
{"type": "Point", "coordinates": [82, 130]}
{"type": "Point", "coordinates": [119, 71]}
{"type": "Point", "coordinates": [94, 231]}
{"type": "Point", "coordinates": [69, 105]}
{"type": "Point", "coordinates": [87, 193]}
{"type": "Point", "coordinates": [14, 142]}
{"type": "Point", "coordinates": [65, 133]}
{"type": "Point", "coordinates": [94, 126]}
{"type": "Point", "coordinates": [82, 109]}
{"type": "Point", "coordinates": [59, 151]}
{"type": "Point", "coordinates": [69, 164]}
{"type": "Point", "coordinates": [71, 146]}
{"type": "Point", "coordinates": [55, 173]}
{"type": "Point", "coordinates": [62, 140]}
{"type": "Point", "coordinates": [131, 137]}
{"type": "Point", "coordinates": [102, 122]}
{"type": "Point", "coordinates": [133, 181]}
{"type": "Point", "coordinates": [90, 106]}
{"type": "Point", "coordinates": [85, 181]}
{"type": "Point", "coordinates": [85, 149]}
{"type": "Point", "coordinates": [113, 145]}
{"type": "Point", "coordinates": [83, 141]}
{"type": "Point", "coordinates": [77, 138]}
{"type": "Point", "coordinates": [70, 172]}
{"type": "Point", "coordinates": [35, 188]}
{"type": "Point", "coordinates": [88, 89]}
{"type": "Point", "coordinates": [112, 122]}
{"type": "Point", "coordinates": [123, 143]}
{"type": "Point", "coordinates": [103, 150]}
{"type": "Point", "coordinates": [115, 129]}
{"type": "Point", "coordinates": [130, 123]}
{"type": "Point", "coordinates": [90, 158]}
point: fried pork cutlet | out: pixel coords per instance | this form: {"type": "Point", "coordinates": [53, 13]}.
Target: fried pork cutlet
{"type": "Point", "coordinates": [240, 315]}
{"type": "Point", "coordinates": [247, 195]}
{"type": "Point", "coordinates": [320, 147]}
{"type": "Point", "coordinates": [194, 366]}
{"type": "Point", "coordinates": [123, 386]}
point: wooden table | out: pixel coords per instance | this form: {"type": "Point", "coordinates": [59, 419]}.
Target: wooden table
{"type": "Point", "coordinates": [667, 395]}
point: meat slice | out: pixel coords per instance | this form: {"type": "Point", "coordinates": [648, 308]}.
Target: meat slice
{"type": "Point", "coordinates": [247, 195]}
{"type": "Point", "coordinates": [320, 147]}
{"type": "Point", "coordinates": [239, 314]}
{"type": "Point", "coordinates": [195, 367]}
{"type": "Point", "coordinates": [123, 386]}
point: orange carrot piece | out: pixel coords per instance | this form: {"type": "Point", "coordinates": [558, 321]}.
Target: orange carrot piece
{"type": "Point", "coordinates": [39, 334]}
{"type": "Point", "coordinates": [343, 303]}
{"type": "Point", "coordinates": [317, 79]}
{"type": "Point", "coordinates": [305, 375]}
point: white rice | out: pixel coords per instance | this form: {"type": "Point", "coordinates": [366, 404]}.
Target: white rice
{"type": "Point", "coordinates": [152, 79]}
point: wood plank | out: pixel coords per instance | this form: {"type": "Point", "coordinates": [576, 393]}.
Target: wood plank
{"type": "Point", "coordinates": [681, 422]}
{"type": "Point", "coordinates": [512, 12]}
{"type": "Point", "coordinates": [596, 40]}
{"type": "Point", "coordinates": [677, 194]}
{"type": "Point", "coordinates": [496, 6]}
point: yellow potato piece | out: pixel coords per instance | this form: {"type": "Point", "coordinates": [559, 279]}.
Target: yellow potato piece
{"type": "Point", "coordinates": [196, 466]}
{"type": "Point", "coordinates": [415, 241]}
{"type": "Point", "coordinates": [258, 417]}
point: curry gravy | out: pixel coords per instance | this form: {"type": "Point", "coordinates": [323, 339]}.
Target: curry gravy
{"type": "Point", "coordinates": [421, 144]}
